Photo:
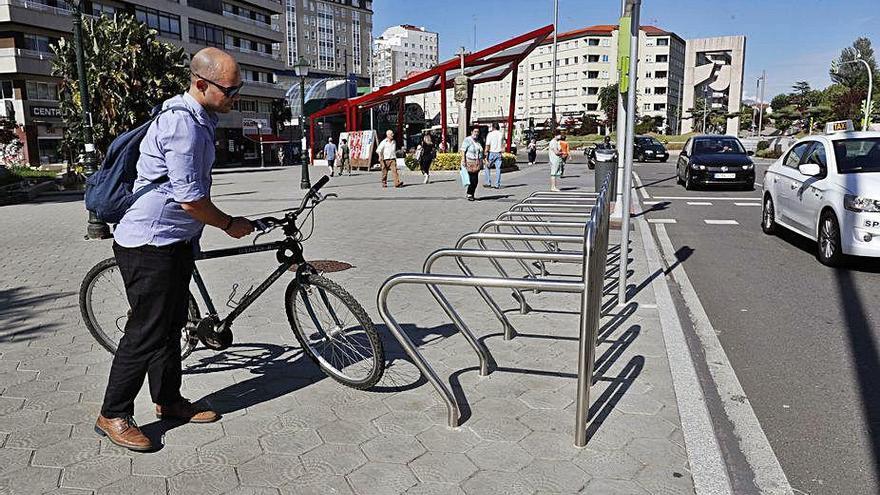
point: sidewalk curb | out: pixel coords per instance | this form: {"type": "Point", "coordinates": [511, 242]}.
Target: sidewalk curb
{"type": "Point", "coordinates": [708, 468]}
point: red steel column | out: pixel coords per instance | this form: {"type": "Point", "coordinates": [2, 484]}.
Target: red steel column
{"type": "Point", "coordinates": [443, 110]}
{"type": "Point", "coordinates": [400, 139]}
{"type": "Point", "coordinates": [512, 106]}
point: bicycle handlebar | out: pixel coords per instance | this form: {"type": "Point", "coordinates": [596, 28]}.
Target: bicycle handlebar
{"type": "Point", "coordinates": [265, 223]}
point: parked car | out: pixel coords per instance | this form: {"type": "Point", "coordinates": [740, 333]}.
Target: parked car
{"type": "Point", "coordinates": [646, 148]}
{"type": "Point", "coordinates": [715, 160]}
{"type": "Point", "coordinates": [827, 189]}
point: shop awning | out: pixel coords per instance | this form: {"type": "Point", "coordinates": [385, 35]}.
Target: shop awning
{"type": "Point", "coordinates": [267, 138]}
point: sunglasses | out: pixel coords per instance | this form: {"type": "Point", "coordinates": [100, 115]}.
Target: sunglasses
{"type": "Point", "coordinates": [228, 92]}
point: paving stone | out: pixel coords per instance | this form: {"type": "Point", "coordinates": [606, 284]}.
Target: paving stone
{"type": "Point", "coordinates": [546, 399]}
{"type": "Point", "coordinates": [291, 442]}
{"type": "Point", "coordinates": [12, 378]}
{"type": "Point", "coordinates": [390, 448]}
{"type": "Point", "coordinates": [444, 439]}
{"type": "Point", "coordinates": [497, 407]}
{"type": "Point", "coordinates": [347, 432]}
{"type": "Point", "coordinates": [547, 445]}
{"type": "Point", "coordinates": [135, 485]}
{"type": "Point", "coordinates": [68, 491]}
{"type": "Point", "coordinates": [83, 383]}
{"type": "Point", "coordinates": [66, 452]}
{"type": "Point", "coordinates": [411, 401]}
{"type": "Point", "coordinates": [402, 423]}
{"type": "Point", "coordinates": [337, 459]}
{"type": "Point", "coordinates": [230, 450]}
{"type": "Point", "coordinates": [39, 436]}
{"type": "Point", "coordinates": [316, 483]}
{"type": "Point", "coordinates": [361, 413]}
{"type": "Point", "coordinates": [647, 450]}
{"type": "Point", "coordinates": [500, 456]}
{"type": "Point", "coordinates": [645, 426]}
{"type": "Point", "coordinates": [665, 480]}
{"type": "Point", "coordinates": [168, 461]}
{"type": "Point", "coordinates": [29, 389]}
{"type": "Point", "coordinates": [442, 467]}
{"type": "Point", "coordinates": [608, 464]}
{"type": "Point", "coordinates": [21, 419]}
{"type": "Point", "coordinates": [30, 480]}
{"type": "Point", "coordinates": [498, 483]}
{"type": "Point", "coordinates": [10, 404]}
{"type": "Point", "coordinates": [550, 420]}
{"type": "Point", "coordinates": [607, 486]}
{"type": "Point", "coordinates": [13, 459]}
{"type": "Point", "coordinates": [194, 434]}
{"type": "Point", "coordinates": [270, 470]}
{"type": "Point", "coordinates": [503, 429]}
{"type": "Point", "coordinates": [555, 476]}
{"type": "Point", "coordinates": [96, 472]}
{"type": "Point", "coordinates": [51, 400]}
{"type": "Point", "coordinates": [76, 413]}
{"type": "Point", "coordinates": [202, 479]}
{"type": "Point", "coordinates": [253, 490]}
{"type": "Point", "coordinates": [306, 416]}
{"type": "Point", "coordinates": [639, 404]}
{"type": "Point", "coordinates": [435, 489]}
{"type": "Point", "coordinates": [379, 479]}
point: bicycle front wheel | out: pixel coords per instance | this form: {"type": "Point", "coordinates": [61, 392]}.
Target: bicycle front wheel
{"type": "Point", "coordinates": [335, 331]}
{"type": "Point", "coordinates": [105, 309]}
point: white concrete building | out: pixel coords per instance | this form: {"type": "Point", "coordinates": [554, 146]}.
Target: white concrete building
{"type": "Point", "coordinates": [402, 50]}
{"type": "Point", "coordinates": [715, 72]}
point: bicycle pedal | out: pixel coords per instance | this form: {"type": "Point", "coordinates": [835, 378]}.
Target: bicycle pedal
{"type": "Point", "coordinates": [211, 338]}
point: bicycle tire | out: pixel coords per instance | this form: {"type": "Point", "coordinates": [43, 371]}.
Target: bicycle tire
{"type": "Point", "coordinates": [301, 294]}
{"type": "Point", "coordinates": [99, 333]}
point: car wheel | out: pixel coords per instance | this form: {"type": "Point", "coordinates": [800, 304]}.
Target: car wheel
{"type": "Point", "coordinates": [830, 252]}
{"type": "Point", "coordinates": [688, 183]}
{"type": "Point", "coordinates": [768, 217]}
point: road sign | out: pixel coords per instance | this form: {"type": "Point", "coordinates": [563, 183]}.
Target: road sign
{"type": "Point", "coordinates": [461, 88]}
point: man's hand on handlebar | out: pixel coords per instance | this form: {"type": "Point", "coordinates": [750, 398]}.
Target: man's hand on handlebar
{"type": "Point", "coordinates": [240, 227]}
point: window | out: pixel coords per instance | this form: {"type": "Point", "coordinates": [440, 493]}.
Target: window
{"type": "Point", "coordinates": [662, 41]}
{"type": "Point", "coordinates": [99, 9]}
{"type": "Point", "coordinates": [594, 90]}
{"type": "Point", "coordinates": [247, 105]}
{"type": "Point", "coordinates": [605, 58]}
{"type": "Point", "coordinates": [41, 91]}
{"type": "Point", "coordinates": [264, 106]}
{"type": "Point", "coordinates": [592, 74]}
{"type": "Point", "coordinates": [857, 155]}
{"type": "Point", "coordinates": [6, 90]}
{"type": "Point", "coordinates": [817, 156]}
{"type": "Point", "coordinates": [658, 107]}
{"type": "Point", "coordinates": [660, 74]}
{"type": "Point", "coordinates": [660, 90]}
{"type": "Point", "coordinates": [647, 91]}
{"type": "Point", "coordinates": [603, 75]}
{"type": "Point", "coordinates": [593, 42]}
{"type": "Point", "coordinates": [661, 58]}
{"type": "Point", "coordinates": [592, 107]}
{"type": "Point", "coordinates": [38, 43]}
{"type": "Point", "coordinates": [592, 58]}
{"type": "Point", "coordinates": [647, 107]}
{"type": "Point", "coordinates": [205, 34]}
{"type": "Point", "coordinates": [605, 42]}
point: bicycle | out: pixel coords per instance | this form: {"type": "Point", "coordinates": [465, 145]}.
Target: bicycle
{"type": "Point", "coordinates": [350, 354]}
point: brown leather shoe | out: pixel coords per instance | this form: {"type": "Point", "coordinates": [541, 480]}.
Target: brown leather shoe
{"type": "Point", "coordinates": [186, 411]}
{"type": "Point", "coordinates": [123, 432]}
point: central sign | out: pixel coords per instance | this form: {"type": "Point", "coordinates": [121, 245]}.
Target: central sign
{"type": "Point", "coordinates": [461, 88]}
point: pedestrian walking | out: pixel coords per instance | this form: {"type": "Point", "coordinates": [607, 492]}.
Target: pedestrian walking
{"type": "Point", "coordinates": [342, 157]}
{"type": "Point", "coordinates": [154, 245]}
{"type": "Point", "coordinates": [471, 161]}
{"type": "Point", "coordinates": [555, 155]}
{"type": "Point", "coordinates": [387, 151]}
{"type": "Point", "coordinates": [533, 152]}
{"type": "Point", "coordinates": [494, 147]}
{"type": "Point", "coordinates": [565, 153]}
{"type": "Point", "coordinates": [425, 155]}
{"type": "Point", "coordinates": [330, 154]}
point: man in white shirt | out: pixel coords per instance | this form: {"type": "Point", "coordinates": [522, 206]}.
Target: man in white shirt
{"type": "Point", "coordinates": [387, 151]}
{"type": "Point", "coordinates": [494, 147]}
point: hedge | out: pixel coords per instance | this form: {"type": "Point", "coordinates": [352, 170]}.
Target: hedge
{"type": "Point", "coordinates": [12, 175]}
{"type": "Point", "coordinates": [452, 161]}
{"type": "Point", "coordinates": [768, 153]}
{"type": "Point", "coordinates": [763, 145]}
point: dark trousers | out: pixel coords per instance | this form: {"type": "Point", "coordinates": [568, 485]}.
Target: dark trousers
{"type": "Point", "coordinates": [157, 286]}
{"type": "Point", "coordinates": [474, 181]}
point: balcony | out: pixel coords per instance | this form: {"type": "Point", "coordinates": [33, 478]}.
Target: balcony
{"type": "Point", "coordinates": [253, 22]}
{"type": "Point", "coordinates": [25, 61]}
{"type": "Point", "coordinates": [248, 51]}
{"type": "Point", "coordinates": [35, 14]}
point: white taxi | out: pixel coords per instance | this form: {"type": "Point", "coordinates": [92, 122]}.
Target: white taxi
{"type": "Point", "coordinates": [827, 188]}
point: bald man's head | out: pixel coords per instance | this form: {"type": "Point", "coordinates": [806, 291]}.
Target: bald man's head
{"type": "Point", "coordinates": [214, 74]}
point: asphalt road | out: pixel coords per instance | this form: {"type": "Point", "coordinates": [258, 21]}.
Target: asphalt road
{"type": "Point", "coordinates": [801, 337]}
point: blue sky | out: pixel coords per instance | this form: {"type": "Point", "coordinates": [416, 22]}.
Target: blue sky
{"type": "Point", "coordinates": [792, 40]}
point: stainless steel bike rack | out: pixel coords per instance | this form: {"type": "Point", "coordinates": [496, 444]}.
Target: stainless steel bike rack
{"type": "Point", "coordinates": [593, 258]}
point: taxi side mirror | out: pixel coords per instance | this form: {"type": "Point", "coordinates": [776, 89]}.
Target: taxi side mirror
{"type": "Point", "coordinates": [810, 169]}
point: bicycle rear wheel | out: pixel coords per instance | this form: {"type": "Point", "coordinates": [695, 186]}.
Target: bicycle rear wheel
{"type": "Point", "coordinates": [335, 331]}
{"type": "Point", "coordinates": [105, 309]}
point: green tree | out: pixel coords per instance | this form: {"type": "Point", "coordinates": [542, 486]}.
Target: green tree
{"type": "Point", "coordinates": [854, 75]}
{"type": "Point", "coordinates": [608, 104]}
{"type": "Point", "coordinates": [280, 114]}
{"type": "Point", "coordinates": [128, 72]}
{"type": "Point", "coordinates": [746, 117]}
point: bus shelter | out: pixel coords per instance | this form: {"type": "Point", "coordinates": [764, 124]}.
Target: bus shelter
{"type": "Point", "coordinates": [488, 65]}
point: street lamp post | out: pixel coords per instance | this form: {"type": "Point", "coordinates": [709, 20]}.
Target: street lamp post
{"type": "Point", "coordinates": [302, 70]}
{"type": "Point", "coordinates": [868, 104]}
{"type": "Point", "coordinates": [260, 137]}
{"type": "Point", "coordinates": [96, 228]}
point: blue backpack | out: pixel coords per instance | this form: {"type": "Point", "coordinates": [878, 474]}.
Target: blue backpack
{"type": "Point", "coordinates": [109, 190]}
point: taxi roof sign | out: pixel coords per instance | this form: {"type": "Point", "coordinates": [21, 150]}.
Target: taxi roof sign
{"type": "Point", "coordinates": [839, 126]}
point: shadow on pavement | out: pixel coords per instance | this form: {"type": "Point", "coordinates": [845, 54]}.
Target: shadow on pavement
{"type": "Point", "coordinates": [17, 308]}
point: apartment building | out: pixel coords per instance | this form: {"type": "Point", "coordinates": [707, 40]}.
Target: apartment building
{"type": "Point", "coordinates": [403, 50]}
{"type": "Point", "coordinates": [586, 62]}
{"type": "Point", "coordinates": [333, 35]}
{"type": "Point", "coordinates": [252, 30]}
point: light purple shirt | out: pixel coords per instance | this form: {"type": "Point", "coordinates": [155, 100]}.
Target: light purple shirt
{"type": "Point", "coordinates": [181, 148]}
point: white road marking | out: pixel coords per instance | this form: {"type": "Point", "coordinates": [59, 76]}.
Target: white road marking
{"type": "Point", "coordinates": [769, 476]}
{"type": "Point", "coordinates": [699, 203]}
{"type": "Point", "coordinates": [642, 190]}
{"type": "Point", "coordinates": [747, 204]}
{"type": "Point", "coordinates": [662, 220]}
{"type": "Point", "coordinates": [721, 222]}
{"type": "Point", "coordinates": [708, 468]}
{"type": "Point", "coordinates": [652, 202]}
{"type": "Point", "coordinates": [706, 198]}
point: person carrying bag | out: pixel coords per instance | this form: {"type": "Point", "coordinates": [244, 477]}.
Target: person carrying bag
{"type": "Point", "coordinates": [472, 161]}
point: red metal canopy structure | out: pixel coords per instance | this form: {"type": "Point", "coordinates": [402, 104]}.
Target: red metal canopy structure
{"type": "Point", "coordinates": [487, 65]}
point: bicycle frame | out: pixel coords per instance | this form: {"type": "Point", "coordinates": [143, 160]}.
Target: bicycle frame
{"type": "Point", "coordinates": [286, 262]}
